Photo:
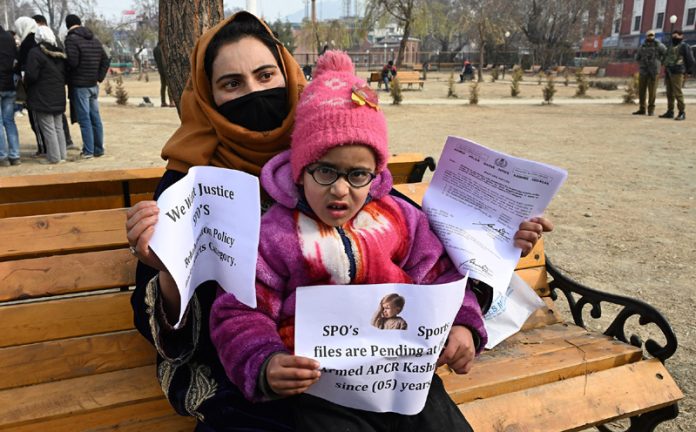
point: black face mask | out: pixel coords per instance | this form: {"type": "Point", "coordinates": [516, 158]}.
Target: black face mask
{"type": "Point", "coordinates": [259, 111]}
{"type": "Point", "coordinates": [676, 41]}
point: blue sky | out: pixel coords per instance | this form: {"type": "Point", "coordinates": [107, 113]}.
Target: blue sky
{"type": "Point", "coordinates": [270, 8]}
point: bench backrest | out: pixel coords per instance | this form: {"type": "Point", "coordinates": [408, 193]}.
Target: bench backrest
{"type": "Point", "coordinates": [590, 70]}
{"type": "Point", "coordinates": [82, 191]}
{"type": "Point", "coordinates": [408, 76]}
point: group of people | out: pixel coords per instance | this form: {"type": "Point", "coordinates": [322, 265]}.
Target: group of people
{"type": "Point", "coordinates": [331, 216]}
{"type": "Point", "coordinates": [677, 60]}
{"type": "Point", "coordinates": [37, 64]}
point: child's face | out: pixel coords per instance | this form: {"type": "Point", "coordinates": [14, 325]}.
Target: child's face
{"type": "Point", "coordinates": [339, 202]}
{"type": "Point", "coordinates": [389, 310]}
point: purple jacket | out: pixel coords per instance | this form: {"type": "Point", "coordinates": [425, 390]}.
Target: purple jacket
{"type": "Point", "coordinates": [388, 241]}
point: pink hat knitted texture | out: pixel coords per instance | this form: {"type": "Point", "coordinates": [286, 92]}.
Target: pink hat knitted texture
{"type": "Point", "coordinates": [327, 117]}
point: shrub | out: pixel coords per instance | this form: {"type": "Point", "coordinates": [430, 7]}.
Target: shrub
{"type": "Point", "coordinates": [395, 92]}
{"type": "Point", "coordinates": [515, 86]}
{"type": "Point", "coordinates": [540, 77]}
{"type": "Point", "coordinates": [631, 91]}
{"type": "Point", "coordinates": [566, 78]}
{"type": "Point", "coordinates": [474, 93]}
{"type": "Point", "coordinates": [604, 85]}
{"type": "Point", "coordinates": [108, 89]}
{"type": "Point", "coordinates": [121, 93]}
{"type": "Point", "coordinates": [451, 90]}
{"type": "Point", "coordinates": [494, 75]}
{"type": "Point", "coordinates": [582, 83]}
{"type": "Point", "coordinates": [549, 90]}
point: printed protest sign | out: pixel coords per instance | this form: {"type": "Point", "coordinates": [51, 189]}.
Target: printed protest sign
{"type": "Point", "coordinates": [378, 347]}
{"type": "Point", "coordinates": [208, 229]}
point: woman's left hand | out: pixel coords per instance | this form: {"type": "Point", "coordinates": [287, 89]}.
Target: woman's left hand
{"type": "Point", "coordinates": [530, 232]}
{"type": "Point", "coordinates": [459, 351]}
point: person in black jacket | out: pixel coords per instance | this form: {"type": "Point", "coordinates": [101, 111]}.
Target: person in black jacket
{"type": "Point", "coordinates": [45, 78]}
{"type": "Point", "coordinates": [87, 67]}
{"type": "Point", "coordinates": [9, 155]}
{"type": "Point", "coordinates": [26, 27]}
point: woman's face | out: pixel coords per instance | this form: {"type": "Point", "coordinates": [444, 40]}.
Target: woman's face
{"type": "Point", "coordinates": [389, 310]}
{"type": "Point", "coordinates": [243, 67]}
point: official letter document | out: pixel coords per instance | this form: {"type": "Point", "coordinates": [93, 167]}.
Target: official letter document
{"type": "Point", "coordinates": [476, 201]}
{"type": "Point", "coordinates": [208, 229]}
{"type": "Point", "coordinates": [373, 357]}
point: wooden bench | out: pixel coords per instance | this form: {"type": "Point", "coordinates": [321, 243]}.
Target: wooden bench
{"type": "Point", "coordinates": [556, 375]}
{"type": "Point", "coordinates": [70, 359]}
{"type": "Point", "coordinates": [590, 70]}
{"type": "Point", "coordinates": [81, 191]}
{"type": "Point", "coordinates": [375, 77]}
{"type": "Point", "coordinates": [410, 78]}
{"type": "Point", "coordinates": [535, 69]}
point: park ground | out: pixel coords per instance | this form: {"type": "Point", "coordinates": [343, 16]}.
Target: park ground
{"type": "Point", "coordinates": [625, 219]}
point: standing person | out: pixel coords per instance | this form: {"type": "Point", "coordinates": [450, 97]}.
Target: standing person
{"type": "Point", "coordinates": [237, 112]}
{"type": "Point", "coordinates": [87, 67]}
{"type": "Point", "coordinates": [41, 22]}
{"type": "Point", "coordinates": [388, 74]}
{"type": "Point", "coordinates": [679, 60]}
{"type": "Point", "coordinates": [26, 27]}
{"type": "Point", "coordinates": [9, 137]}
{"type": "Point", "coordinates": [649, 56]}
{"type": "Point", "coordinates": [335, 223]}
{"type": "Point", "coordinates": [45, 78]}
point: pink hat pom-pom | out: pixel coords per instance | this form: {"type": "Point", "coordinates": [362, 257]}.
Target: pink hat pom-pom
{"type": "Point", "coordinates": [334, 61]}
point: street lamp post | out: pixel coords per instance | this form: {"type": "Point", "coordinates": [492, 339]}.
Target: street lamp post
{"type": "Point", "coordinates": [385, 53]}
{"type": "Point", "coordinates": [507, 36]}
{"type": "Point", "coordinates": [368, 60]}
{"type": "Point", "coordinates": [672, 21]}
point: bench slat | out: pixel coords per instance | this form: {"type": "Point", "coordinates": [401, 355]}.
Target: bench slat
{"type": "Point", "coordinates": [82, 394]}
{"type": "Point", "coordinates": [63, 232]}
{"type": "Point", "coordinates": [114, 418]}
{"type": "Point", "coordinates": [65, 274]}
{"type": "Point", "coordinates": [60, 206]}
{"type": "Point", "coordinates": [527, 364]}
{"type": "Point", "coordinates": [58, 319]}
{"type": "Point", "coordinates": [71, 358]}
{"type": "Point", "coordinates": [578, 402]}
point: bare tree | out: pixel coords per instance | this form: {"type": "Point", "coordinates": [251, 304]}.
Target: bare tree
{"type": "Point", "coordinates": [55, 11]}
{"type": "Point", "coordinates": [145, 31]}
{"type": "Point", "coordinates": [404, 11]}
{"type": "Point", "coordinates": [552, 26]}
{"type": "Point", "coordinates": [180, 24]}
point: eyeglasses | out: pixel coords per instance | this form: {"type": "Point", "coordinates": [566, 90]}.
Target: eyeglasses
{"type": "Point", "coordinates": [326, 176]}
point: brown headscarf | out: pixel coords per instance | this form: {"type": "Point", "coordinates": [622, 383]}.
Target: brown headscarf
{"type": "Point", "coordinates": [205, 137]}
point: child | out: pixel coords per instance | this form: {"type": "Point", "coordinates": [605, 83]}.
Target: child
{"type": "Point", "coordinates": [386, 317]}
{"type": "Point", "coordinates": [335, 223]}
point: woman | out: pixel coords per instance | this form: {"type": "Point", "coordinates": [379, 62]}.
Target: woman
{"type": "Point", "coordinates": [45, 79]}
{"type": "Point", "coordinates": [236, 113]}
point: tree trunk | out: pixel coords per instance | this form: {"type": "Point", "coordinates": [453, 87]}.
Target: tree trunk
{"type": "Point", "coordinates": [402, 44]}
{"type": "Point", "coordinates": [482, 38]}
{"type": "Point", "coordinates": [180, 24]}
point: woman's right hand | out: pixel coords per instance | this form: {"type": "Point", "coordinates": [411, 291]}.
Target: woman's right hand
{"type": "Point", "coordinates": [289, 375]}
{"type": "Point", "coordinates": [140, 225]}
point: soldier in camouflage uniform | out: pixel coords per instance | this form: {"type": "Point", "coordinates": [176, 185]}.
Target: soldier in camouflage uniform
{"type": "Point", "coordinates": [678, 61]}
{"type": "Point", "coordinates": [649, 56]}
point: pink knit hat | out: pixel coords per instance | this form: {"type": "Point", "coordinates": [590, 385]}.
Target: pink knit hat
{"type": "Point", "coordinates": [336, 108]}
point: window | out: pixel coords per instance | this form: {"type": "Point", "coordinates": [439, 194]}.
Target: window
{"type": "Point", "coordinates": [660, 20]}
{"type": "Point", "coordinates": [617, 25]}
{"type": "Point", "coordinates": [636, 23]}
{"type": "Point", "coordinates": [691, 16]}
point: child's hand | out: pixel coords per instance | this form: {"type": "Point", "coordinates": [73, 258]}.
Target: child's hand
{"type": "Point", "coordinates": [530, 232]}
{"type": "Point", "coordinates": [459, 351]}
{"type": "Point", "coordinates": [289, 375]}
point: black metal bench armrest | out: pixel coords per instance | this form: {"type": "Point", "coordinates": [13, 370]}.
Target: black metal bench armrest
{"type": "Point", "coordinates": [579, 296]}
{"type": "Point", "coordinates": [419, 168]}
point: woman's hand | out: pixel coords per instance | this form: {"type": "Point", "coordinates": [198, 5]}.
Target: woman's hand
{"type": "Point", "coordinates": [459, 351]}
{"type": "Point", "coordinates": [140, 225]}
{"type": "Point", "coordinates": [530, 232]}
{"type": "Point", "coordinates": [289, 375]}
